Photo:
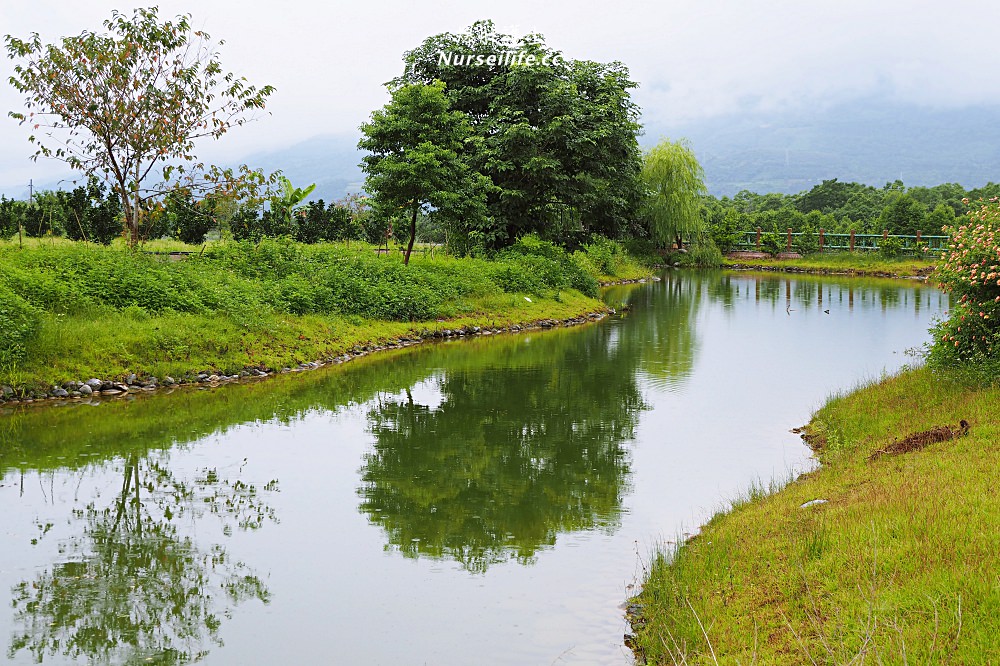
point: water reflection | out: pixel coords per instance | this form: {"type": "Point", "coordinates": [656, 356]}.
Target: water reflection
{"type": "Point", "coordinates": [661, 338]}
{"type": "Point", "coordinates": [526, 441]}
{"type": "Point", "coordinates": [130, 586]}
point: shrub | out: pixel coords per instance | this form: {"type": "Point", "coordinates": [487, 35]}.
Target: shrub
{"type": "Point", "coordinates": [556, 270]}
{"type": "Point", "coordinates": [18, 323]}
{"type": "Point", "coordinates": [701, 253]}
{"type": "Point", "coordinates": [890, 248]}
{"type": "Point", "coordinates": [728, 233]}
{"type": "Point", "coordinates": [774, 242]}
{"type": "Point", "coordinates": [970, 272]}
{"type": "Point", "coordinates": [807, 242]}
{"type": "Point", "coordinates": [604, 254]}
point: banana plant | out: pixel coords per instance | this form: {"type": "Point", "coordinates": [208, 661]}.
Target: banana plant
{"type": "Point", "coordinates": [288, 198]}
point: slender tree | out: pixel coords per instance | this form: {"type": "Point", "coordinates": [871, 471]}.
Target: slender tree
{"type": "Point", "coordinates": [122, 103]}
{"type": "Point", "coordinates": [417, 161]}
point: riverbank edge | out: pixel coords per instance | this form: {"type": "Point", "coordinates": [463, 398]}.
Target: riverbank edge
{"type": "Point", "coordinates": [779, 266]}
{"type": "Point", "coordinates": [70, 392]}
{"type": "Point", "coordinates": [848, 446]}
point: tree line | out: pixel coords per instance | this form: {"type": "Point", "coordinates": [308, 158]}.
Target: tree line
{"type": "Point", "coordinates": [842, 207]}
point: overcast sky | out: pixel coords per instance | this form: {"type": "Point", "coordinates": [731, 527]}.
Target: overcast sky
{"type": "Point", "coordinates": [692, 58]}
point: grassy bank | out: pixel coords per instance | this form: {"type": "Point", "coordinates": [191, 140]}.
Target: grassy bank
{"type": "Point", "coordinates": [70, 311]}
{"type": "Point", "coordinates": [898, 565]}
{"type": "Point", "coordinates": [856, 263]}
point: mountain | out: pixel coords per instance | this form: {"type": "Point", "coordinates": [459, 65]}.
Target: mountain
{"type": "Point", "coordinates": [868, 141]}
{"type": "Point", "coordinates": [872, 141]}
{"type": "Point", "coordinates": [331, 161]}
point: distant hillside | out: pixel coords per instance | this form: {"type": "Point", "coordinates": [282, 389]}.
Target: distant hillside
{"type": "Point", "coordinates": [870, 142]}
{"type": "Point", "coordinates": [330, 161]}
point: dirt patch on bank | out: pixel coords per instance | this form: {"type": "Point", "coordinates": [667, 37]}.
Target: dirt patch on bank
{"type": "Point", "coordinates": [920, 440]}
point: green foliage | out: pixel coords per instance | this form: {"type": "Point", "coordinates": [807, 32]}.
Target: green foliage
{"type": "Point", "coordinates": [545, 266]}
{"type": "Point", "coordinates": [774, 242]}
{"type": "Point", "coordinates": [554, 140]}
{"type": "Point", "coordinates": [675, 183]}
{"type": "Point", "coordinates": [418, 158]}
{"type": "Point", "coordinates": [890, 248]}
{"type": "Point", "coordinates": [11, 216]}
{"type": "Point", "coordinates": [18, 323]}
{"type": "Point", "coordinates": [124, 102]}
{"type": "Point", "coordinates": [728, 233]}
{"type": "Point", "coordinates": [970, 272]}
{"type": "Point", "coordinates": [941, 217]}
{"type": "Point", "coordinates": [903, 215]}
{"type": "Point", "coordinates": [319, 222]}
{"type": "Point", "coordinates": [187, 220]}
{"type": "Point", "coordinates": [807, 242]}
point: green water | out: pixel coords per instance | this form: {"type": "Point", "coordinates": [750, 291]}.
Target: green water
{"type": "Point", "coordinates": [478, 501]}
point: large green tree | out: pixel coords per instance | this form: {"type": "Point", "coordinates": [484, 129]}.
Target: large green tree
{"type": "Point", "coordinates": [675, 185]}
{"type": "Point", "coordinates": [122, 103]}
{"type": "Point", "coordinates": [556, 137]}
{"type": "Point", "coordinates": [418, 149]}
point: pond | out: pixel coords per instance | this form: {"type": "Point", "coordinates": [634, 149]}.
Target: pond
{"type": "Point", "coordinates": [491, 500]}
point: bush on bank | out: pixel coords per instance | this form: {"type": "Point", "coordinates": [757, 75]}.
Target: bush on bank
{"type": "Point", "coordinates": [969, 340]}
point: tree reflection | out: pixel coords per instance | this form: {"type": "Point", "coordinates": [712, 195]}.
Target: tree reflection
{"type": "Point", "coordinates": [527, 442]}
{"type": "Point", "coordinates": [132, 588]}
{"type": "Point", "coordinates": [664, 341]}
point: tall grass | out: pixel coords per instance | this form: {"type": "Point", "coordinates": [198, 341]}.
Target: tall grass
{"type": "Point", "coordinates": [897, 566]}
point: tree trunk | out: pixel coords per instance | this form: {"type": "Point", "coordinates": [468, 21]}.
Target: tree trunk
{"type": "Point", "coordinates": [413, 235]}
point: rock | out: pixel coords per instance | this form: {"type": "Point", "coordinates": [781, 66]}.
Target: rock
{"type": "Point", "coordinates": [131, 379]}
{"type": "Point", "coordinates": [59, 393]}
{"type": "Point", "coordinates": [211, 378]}
{"type": "Point", "coordinates": [69, 386]}
{"type": "Point", "coordinates": [814, 502]}
{"type": "Point", "coordinates": [169, 381]}
{"type": "Point", "coordinates": [202, 376]}
{"type": "Point", "coordinates": [111, 391]}
{"type": "Point", "coordinates": [86, 390]}
{"type": "Point", "coordinates": [6, 392]}
{"type": "Point", "coordinates": [94, 383]}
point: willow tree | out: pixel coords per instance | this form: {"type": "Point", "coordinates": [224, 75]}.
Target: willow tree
{"type": "Point", "coordinates": [122, 103]}
{"type": "Point", "coordinates": [675, 184]}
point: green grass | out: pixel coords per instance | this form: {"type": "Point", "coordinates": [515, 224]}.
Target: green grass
{"type": "Point", "coordinates": [75, 311]}
{"type": "Point", "coordinates": [857, 263]}
{"type": "Point", "coordinates": [900, 565]}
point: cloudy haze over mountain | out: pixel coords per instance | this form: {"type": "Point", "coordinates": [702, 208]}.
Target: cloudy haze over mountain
{"type": "Point", "coordinates": [730, 75]}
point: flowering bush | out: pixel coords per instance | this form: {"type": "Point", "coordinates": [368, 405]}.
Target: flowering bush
{"type": "Point", "coordinates": [970, 272]}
